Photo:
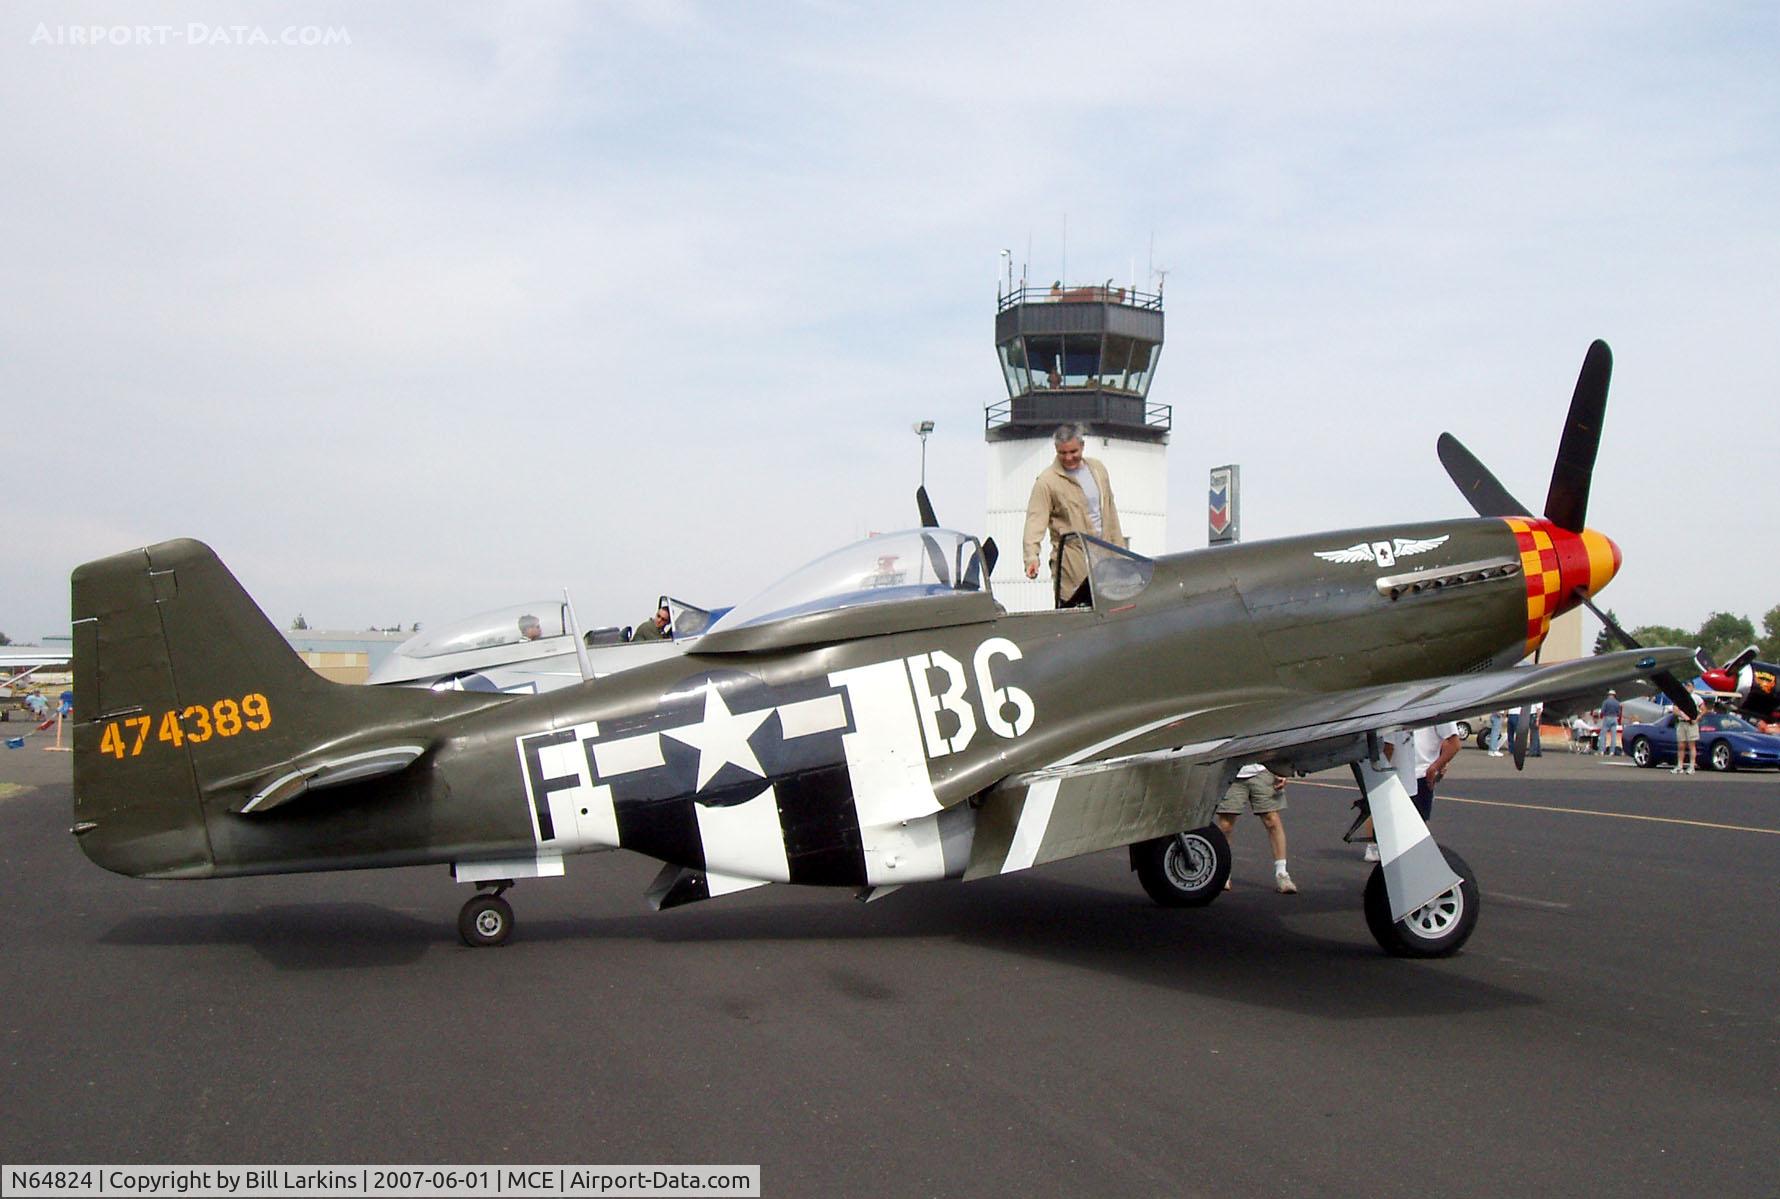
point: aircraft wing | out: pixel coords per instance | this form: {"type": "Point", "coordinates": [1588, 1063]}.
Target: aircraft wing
{"type": "Point", "coordinates": [15, 657]}
{"type": "Point", "coordinates": [1166, 775]}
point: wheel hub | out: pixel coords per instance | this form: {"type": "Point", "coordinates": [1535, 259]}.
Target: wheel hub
{"type": "Point", "coordinates": [1434, 918]}
{"type": "Point", "coordinates": [1190, 863]}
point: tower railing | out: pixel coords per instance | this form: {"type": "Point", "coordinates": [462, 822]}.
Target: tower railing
{"type": "Point", "coordinates": [1085, 406]}
{"type": "Point", "coordinates": [1098, 293]}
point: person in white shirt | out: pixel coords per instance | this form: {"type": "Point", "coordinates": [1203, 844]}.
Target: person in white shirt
{"type": "Point", "coordinates": [1420, 757]}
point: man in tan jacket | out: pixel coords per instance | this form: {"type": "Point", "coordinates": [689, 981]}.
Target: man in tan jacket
{"type": "Point", "coordinates": [1071, 495]}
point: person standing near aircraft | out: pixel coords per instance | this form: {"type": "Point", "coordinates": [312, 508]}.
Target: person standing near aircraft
{"type": "Point", "coordinates": [1687, 740]}
{"type": "Point", "coordinates": [1498, 722]}
{"type": "Point", "coordinates": [1421, 757]}
{"type": "Point", "coordinates": [1072, 495]}
{"type": "Point", "coordinates": [1610, 737]}
{"type": "Point", "coordinates": [655, 628]}
{"type": "Point", "coordinates": [1264, 793]}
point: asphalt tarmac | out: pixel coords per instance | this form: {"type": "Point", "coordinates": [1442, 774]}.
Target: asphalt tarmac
{"type": "Point", "coordinates": [1612, 1026]}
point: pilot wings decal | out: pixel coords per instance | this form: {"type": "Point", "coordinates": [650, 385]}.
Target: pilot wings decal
{"type": "Point", "coordinates": [1383, 553]}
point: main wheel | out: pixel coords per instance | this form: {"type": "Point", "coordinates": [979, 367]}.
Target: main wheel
{"type": "Point", "coordinates": [485, 920]}
{"type": "Point", "coordinates": [1719, 757]}
{"type": "Point", "coordinates": [1187, 870]}
{"type": "Point", "coordinates": [1434, 930]}
{"type": "Point", "coordinates": [1642, 752]}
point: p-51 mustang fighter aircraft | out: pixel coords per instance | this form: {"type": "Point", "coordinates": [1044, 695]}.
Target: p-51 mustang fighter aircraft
{"type": "Point", "coordinates": [874, 719]}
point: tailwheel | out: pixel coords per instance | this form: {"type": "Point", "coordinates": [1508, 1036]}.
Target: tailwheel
{"type": "Point", "coordinates": [485, 920]}
{"type": "Point", "coordinates": [1187, 870]}
{"type": "Point", "coordinates": [1437, 929]}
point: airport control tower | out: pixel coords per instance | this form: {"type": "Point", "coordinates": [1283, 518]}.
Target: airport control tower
{"type": "Point", "coordinates": [1085, 355]}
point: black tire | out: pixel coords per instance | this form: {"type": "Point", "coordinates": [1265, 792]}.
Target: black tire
{"type": "Point", "coordinates": [1643, 753]}
{"type": "Point", "coordinates": [1465, 730]}
{"type": "Point", "coordinates": [1187, 870]}
{"type": "Point", "coordinates": [1436, 930]}
{"type": "Point", "coordinates": [1720, 758]}
{"type": "Point", "coordinates": [485, 921]}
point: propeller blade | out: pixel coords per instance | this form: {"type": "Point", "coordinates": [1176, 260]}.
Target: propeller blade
{"type": "Point", "coordinates": [1522, 731]}
{"type": "Point", "coordinates": [1670, 686]}
{"type": "Point", "coordinates": [1612, 626]}
{"type": "Point", "coordinates": [1566, 504]}
{"type": "Point", "coordinates": [1485, 493]}
{"type": "Point", "coordinates": [928, 519]}
{"type": "Point", "coordinates": [991, 555]}
{"type": "Point", "coordinates": [1677, 691]}
{"type": "Point", "coordinates": [1742, 659]}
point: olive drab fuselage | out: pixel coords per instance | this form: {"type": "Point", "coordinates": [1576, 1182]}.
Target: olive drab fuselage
{"type": "Point", "coordinates": [857, 759]}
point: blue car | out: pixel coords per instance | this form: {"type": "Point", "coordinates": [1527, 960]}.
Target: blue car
{"type": "Point", "coordinates": [1727, 742]}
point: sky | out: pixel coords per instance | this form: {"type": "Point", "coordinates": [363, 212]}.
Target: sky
{"type": "Point", "coordinates": [412, 311]}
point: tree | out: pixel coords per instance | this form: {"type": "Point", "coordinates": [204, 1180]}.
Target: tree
{"type": "Point", "coordinates": [5, 640]}
{"type": "Point", "coordinates": [1662, 634]}
{"type": "Point", "coordinates": [1770, 635]}
{"type": "Point", "coordinates": [1723, 634]}
{"type": "Point", "coordinates": [1604, 641]}
{"type": "Point", "coordinates": [299, 623]}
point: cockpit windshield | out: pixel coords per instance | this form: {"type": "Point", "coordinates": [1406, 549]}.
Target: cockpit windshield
{"type": "Point", "coordinates": [894, 568]}
{"type": "Point", "coordinates": [513, 625]}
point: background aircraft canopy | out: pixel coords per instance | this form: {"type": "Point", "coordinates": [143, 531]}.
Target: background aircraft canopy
{"type": "Point", "coordinates": [896, 567]}
{"type": "Point", "coordinates": [485, 630]}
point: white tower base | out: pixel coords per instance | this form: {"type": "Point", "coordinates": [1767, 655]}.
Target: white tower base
{"type": "Point", "coordinates": [1138, 472]}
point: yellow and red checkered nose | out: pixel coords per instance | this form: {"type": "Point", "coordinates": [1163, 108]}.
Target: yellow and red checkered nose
{"type": "Point", "coordinates": [1557, 564]}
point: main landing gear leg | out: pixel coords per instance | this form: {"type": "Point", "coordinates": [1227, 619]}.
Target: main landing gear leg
{"type": "Point", "coordinates": [1419, 902]}
{"type": "Point", "coordinates": [486, 919]}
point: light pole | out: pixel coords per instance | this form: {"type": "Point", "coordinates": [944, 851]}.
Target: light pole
{"type": "Point", "coordinates": [922, 429]}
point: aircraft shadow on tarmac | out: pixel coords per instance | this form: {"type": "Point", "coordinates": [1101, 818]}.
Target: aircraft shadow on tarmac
{"type": "Point", "coordinates": [1251, 947]}
{"type": "Point", "coordinates": [292, 936]}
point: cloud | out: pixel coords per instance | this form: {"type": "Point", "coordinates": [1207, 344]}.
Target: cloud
{"type": "Point", "coordinates": [645, 297]}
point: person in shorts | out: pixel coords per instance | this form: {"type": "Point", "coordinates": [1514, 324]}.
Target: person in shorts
{"type": "Point", "coordinates": [1264, 793]}
{"type": "Point", "coordinates": [1687, 741]}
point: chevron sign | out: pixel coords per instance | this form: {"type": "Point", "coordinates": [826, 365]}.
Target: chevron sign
{"type": "Point", "coordinates": [1223, 525]}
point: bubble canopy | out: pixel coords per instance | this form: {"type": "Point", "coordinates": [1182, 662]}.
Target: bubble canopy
{"type": "Point", "coordinates": [503, 626]}
{"type": "Point", "coordinates": [896, 568]}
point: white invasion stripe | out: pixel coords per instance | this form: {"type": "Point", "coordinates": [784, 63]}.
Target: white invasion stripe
{"type": "Point", "coordinates": [1035, 817]}
{"type": "Point", "coordinates": [745, 839]}
{"type": "Point", "coordinates": [725, 884]}
{"type": "Point", "coordinates": [544, 865]}
{"type": "Point", "coordinates": [820, 715]}
{"type": "Point", "coordinates": [907, 851]}
{"type": "Point", "coordinates": [627, 755]}
{"type": "Point", "coordinates": [886, 759]}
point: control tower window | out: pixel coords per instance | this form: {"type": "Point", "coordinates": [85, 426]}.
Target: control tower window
{"type": "Point", "coordinates": [1081, 360]}
{"type": "Point", "coordinates": [1013, 366]}
{"type": "Point", "coordinates": [1143, 364]}
{"type": "Point", "coordinates": [1115, 360]}
{"type": "Point", "coordinates": [1046, 357]}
